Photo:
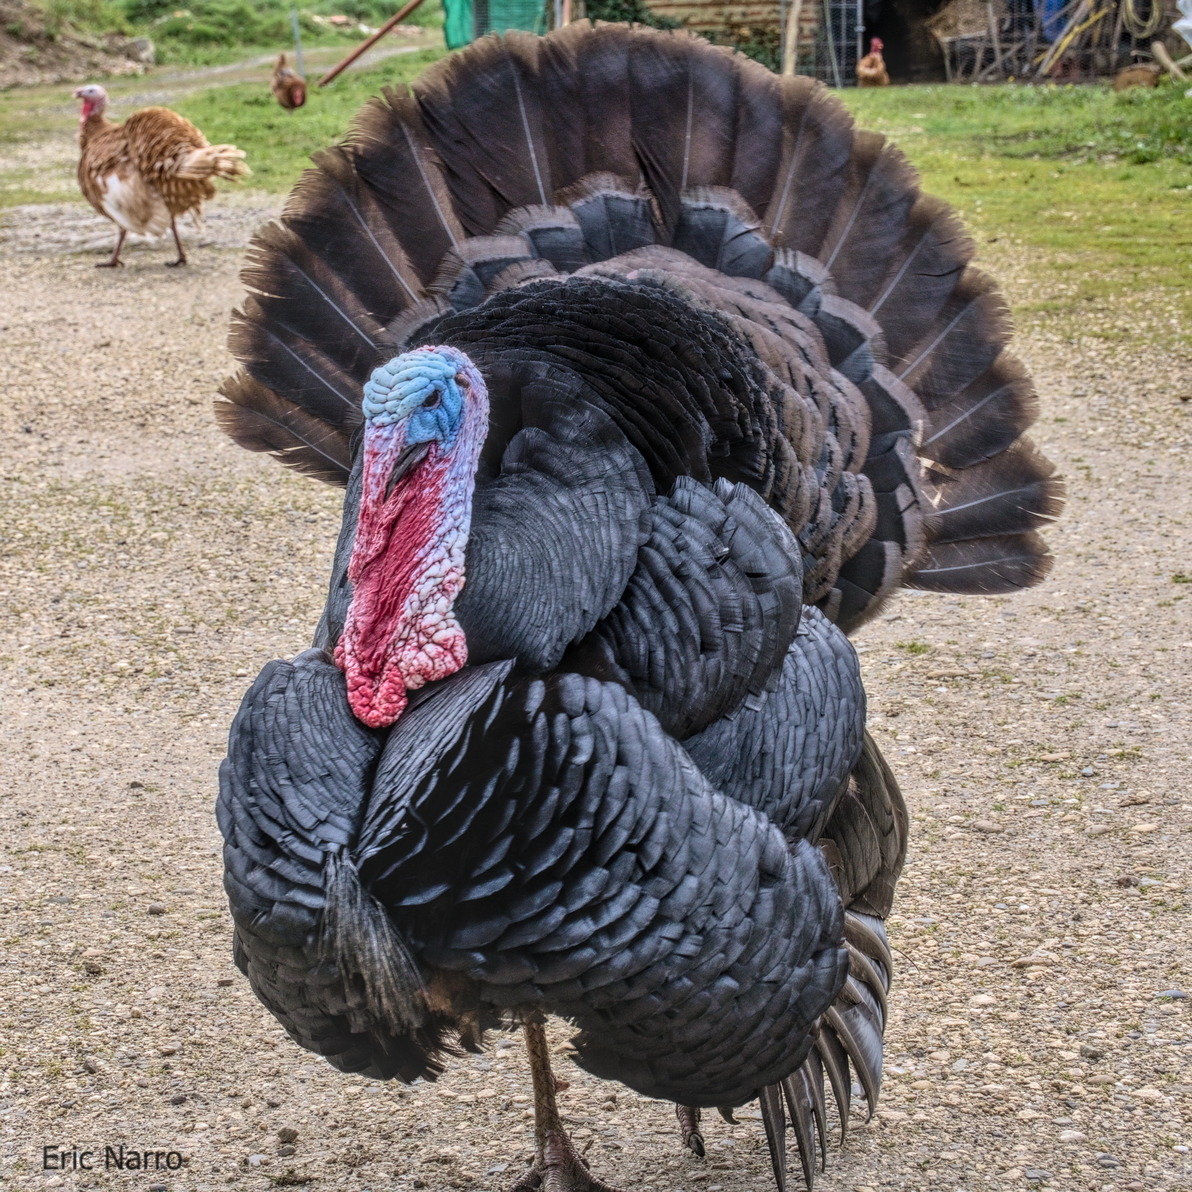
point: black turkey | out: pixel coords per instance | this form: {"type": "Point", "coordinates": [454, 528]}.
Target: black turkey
{"type": "Point", "coordinates": [685, 377]}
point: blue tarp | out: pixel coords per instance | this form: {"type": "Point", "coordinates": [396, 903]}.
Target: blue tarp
{"type": "Point", "coordinates": [1052, 24]}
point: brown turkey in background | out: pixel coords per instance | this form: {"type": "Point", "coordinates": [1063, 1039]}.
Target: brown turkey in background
{"type": "Point", "coordinates": [288, 86]}
{"type": "Point", "coordinates": [144, 173]}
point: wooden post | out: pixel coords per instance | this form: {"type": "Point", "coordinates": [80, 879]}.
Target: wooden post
{"type": "Point", "coordinates": [1166, 61]}
{"type": "Point", "coordinates": [790, 42]}
{"type": "Point", "coordinates": [831, 39]}
{"type": "Point", "coordinates": [994, 20]}
{"type": "Point", "coordinates": [297, 42]}
{"type": "Point", "coordinates": [1115, 38]}
{"type": "Point", "coordinates": [368, 44]}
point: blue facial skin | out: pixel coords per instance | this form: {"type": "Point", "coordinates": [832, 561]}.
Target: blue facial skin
{"type": "Point", "coordinates": [418, 388]}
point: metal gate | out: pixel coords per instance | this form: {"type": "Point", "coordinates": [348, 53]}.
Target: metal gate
{"type": "Point", "coordinates": [828, 42]}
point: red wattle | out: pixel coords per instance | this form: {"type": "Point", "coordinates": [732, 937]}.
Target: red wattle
{"type": "Point", "coordinates": [399, 632]}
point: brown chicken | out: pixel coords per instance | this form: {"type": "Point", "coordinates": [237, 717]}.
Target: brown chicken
{"type": "Point", "coordinates": [144, 173]}
{"type": "Point", "coordinates": [288, 86]}
{"type": "Point", "coordinates": [871, 70]}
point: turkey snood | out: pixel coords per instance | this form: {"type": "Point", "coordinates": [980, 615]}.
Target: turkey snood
{"type": "Point", "coordinates": [426, 416]}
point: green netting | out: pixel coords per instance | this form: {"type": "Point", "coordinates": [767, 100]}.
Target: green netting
{"type": "Point", "coordinates": [504, 15]}
{"type": "Point", "coordinates": [466, 20]}
{"type": "Point", "coordinates": [458, 23]}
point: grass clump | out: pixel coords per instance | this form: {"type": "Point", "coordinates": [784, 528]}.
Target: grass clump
{"type": "Point", "coordinates": [1138, 126]}
{"type": "Point", "coordinates": [94, 16]}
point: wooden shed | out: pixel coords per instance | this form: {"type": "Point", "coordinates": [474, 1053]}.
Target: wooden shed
{"type": "Point", "coordinates": [832, 33]}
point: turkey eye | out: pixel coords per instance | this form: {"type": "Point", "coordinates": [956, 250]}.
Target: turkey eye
{"type": "Point", "coordinates": [433, 401]}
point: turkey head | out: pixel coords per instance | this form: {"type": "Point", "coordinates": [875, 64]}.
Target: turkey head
{"type": "Point", "coordinates": [425, 419]}
{"type": "Point", "coordinates": [95, 100]}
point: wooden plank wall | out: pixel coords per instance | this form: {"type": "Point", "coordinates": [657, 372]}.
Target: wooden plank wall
{"type": "Point", "coordinates": [726, 22]}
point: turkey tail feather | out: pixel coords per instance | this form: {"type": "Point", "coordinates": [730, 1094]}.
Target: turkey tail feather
{"type": "Point", "coordinates": [260, 420]}
{"type": "Point", "coordinates": [987, 565]}
{"type": "Point", "coordinates": [774, 1121]}
{"type": "Point", "coordinates": [864, 843]}
{"type": "Point", "coordinates": [406, 179]}
{"type": "Point", "coordinates": [849, 1034]}
{"type": "Point", "coordinates": [817, 136]}
{"type": "Point", "coordinates": [804, 1093]}
{"type": "Point", "coordinates": [485, 118]}
{"type": "Point", "coordinates": [213, 161]}
{"type": "Point", "coordinates": [1011, 493]}
{"type": "Point", "coordinates": [298, 291]}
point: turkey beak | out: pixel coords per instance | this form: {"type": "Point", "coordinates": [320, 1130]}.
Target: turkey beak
{"type": "Point", "coordinates": [408, 457]}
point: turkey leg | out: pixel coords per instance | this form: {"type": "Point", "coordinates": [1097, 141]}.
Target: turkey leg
{"type": "Point", "coordinates": [181, 252]}
{"type": "Point", "coordinates": [693, 1140]}
{"type": "Point", "coordinates": [114, 260]}
{"type": "Point", "coordinates": [558, 1166]}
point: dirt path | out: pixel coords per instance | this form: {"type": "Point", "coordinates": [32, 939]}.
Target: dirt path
{"type": "Point", "coordinates": [1040, 1025]}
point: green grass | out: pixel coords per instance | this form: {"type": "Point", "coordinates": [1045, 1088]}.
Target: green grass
{"type": "Point", "coordinates": [914, 647]}
{"type": "Point", "coordinates": [279, 143]}
{"type": "Point", "coordinates": [1095, 187]}
{"type": "Point", "coordinates": [1055, 123]}
{"type": "Point", "coordinates": [213, 32]}
{"type": "Point", "coordinates": [216, 31]}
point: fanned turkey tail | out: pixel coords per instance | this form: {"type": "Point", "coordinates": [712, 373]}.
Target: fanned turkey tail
{"type": "Point", "coordinates": [607, 149]}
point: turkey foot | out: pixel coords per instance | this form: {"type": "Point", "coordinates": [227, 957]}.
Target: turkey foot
{"type": "Point", "coordinates": [181, 253]}
{"type": "Point", "coordinates": [558, 1166]}
{"type": "Point", "coordinates": [114, 261]}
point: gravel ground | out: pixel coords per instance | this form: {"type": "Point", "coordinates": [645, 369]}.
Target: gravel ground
{"type": "Point", "coordinates": [1040, 1028]}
